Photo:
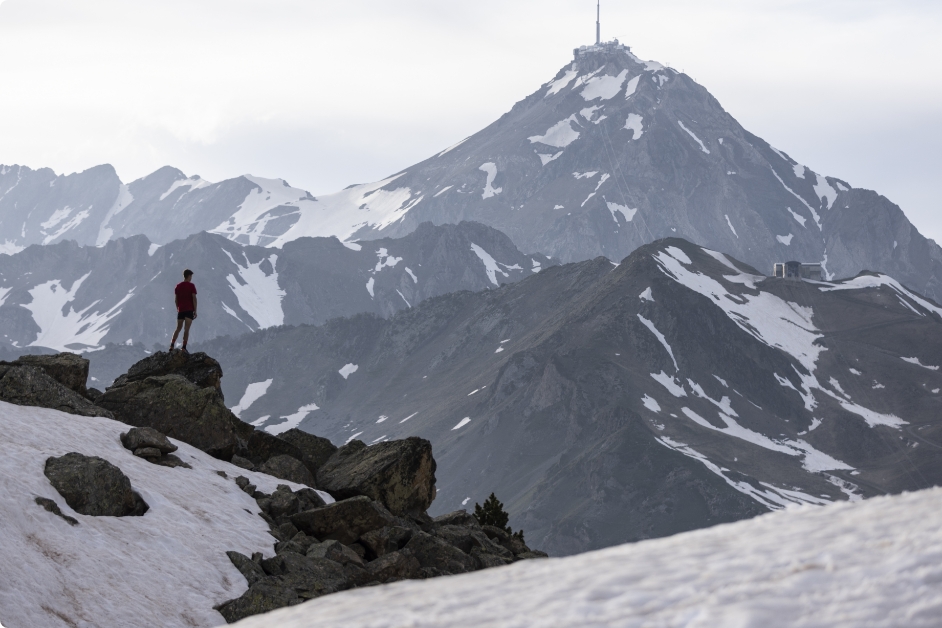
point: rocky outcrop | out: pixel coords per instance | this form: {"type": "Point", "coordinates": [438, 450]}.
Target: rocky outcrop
{"type": "Point", "coordinates": [173, 405]}
{"type": "Point", "coordinates": [93, 486]}
{"type": "Point", "coordinates": [288, 468]}
{"type": "Point", "coordinates": [69, 369]}
{"type": "Point", "coordinates": [26, 385]}
{"type": "Point", "coordinates": [198, 368]}
{"type": "Point", "coordinates": [354, 542]}
{"type": "Point", "coordinates": [315, 450]}
{"type": "Point", "coordinates": [400, 474]}
{"type": "Point", "coordinates": [151, 445]}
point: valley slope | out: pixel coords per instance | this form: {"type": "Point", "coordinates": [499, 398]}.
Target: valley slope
{"type": "Point", "coordinates": [610, 403]}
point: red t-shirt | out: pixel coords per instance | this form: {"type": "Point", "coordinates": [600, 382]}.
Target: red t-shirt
{"type": "Point", "coordinates": [185, 291]}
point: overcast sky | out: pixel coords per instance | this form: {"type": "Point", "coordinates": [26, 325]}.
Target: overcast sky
{"type": "Point", "coordinates": [325, 94]}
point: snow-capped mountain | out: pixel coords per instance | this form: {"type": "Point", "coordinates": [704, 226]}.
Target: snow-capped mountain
{"type": "Point", "coordinates": [609, 403]}
{"type": "Point", "coordinates": [844, 565]}
{"type": "Point", "coordinates": [614, 152]}
{"type": "Point", "coordinates": [67, 297]}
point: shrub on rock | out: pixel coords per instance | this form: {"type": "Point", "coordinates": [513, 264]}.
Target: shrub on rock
{"type": "Point", "coordinates": [93, 486]}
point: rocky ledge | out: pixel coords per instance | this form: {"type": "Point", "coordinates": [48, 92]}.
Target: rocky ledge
{"type": "Point", "coordinates": [375, 529]}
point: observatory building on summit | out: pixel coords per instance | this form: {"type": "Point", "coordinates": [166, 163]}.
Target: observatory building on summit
{"type": "Point", "coordinates": [600, 47]}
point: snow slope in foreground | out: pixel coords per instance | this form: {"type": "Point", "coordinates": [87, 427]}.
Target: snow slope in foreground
{"type": "Point", "coordinates": [873, 563]}
{"type": "Point", "coordinates": [167, 568]}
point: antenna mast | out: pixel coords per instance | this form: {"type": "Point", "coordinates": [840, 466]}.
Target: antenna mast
{"type": "Point", "coordinates": [598, 24]}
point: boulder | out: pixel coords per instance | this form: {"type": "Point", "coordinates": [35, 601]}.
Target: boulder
{"type": "Point", "coordinates": [92, 394]}
{"type": "Point", "coordinates": [263, 596]}
{"type": "Point", "coordinates": [138, 437]}
{"type": "Point", "coordinates": [242, 463]}
{"type": "Point", "coordinates": [288, 468]}
{"type": "Point", "coordinates": [197, 368]}
{"type": "Point", "coordinates": [400, 474]}
{"type": "Point", "coordinates": [466, 539]}
{"type": "Point", "coordinates": [283, 502]}
{"type": "Point", "coordinates": [178, 408]}
{"type": "Point", "coordinates": [485, 560]}
{"type": "Point", "coordinates": [252, 571]}
{"type": "Point", "coordinates": [262, 446]}
{"type": "Point", "coordinates": [310, 577]}
{"type": "Point", "coordinates": [335, 551]}
{"type": "Point", "coordinates": [400, 565]}
{"type": "Point", "coordinates": [385, 540]}
{"type": "Point", "coordinates": [300, 543]}
{"type": "Point", "coordinates": [149, 453]}
{"type": "Point", "coordinates": [93, 486]}
{"type": "Point", "coordinates": [438, 557]}
{"type": "Point", "coordinates": [315, 450]}
{"type": "Point", "coordinates": [344, 521]}
{"type": "Point", "coordinates": [69, 369]}
{"type": "Point", "coordinates": [31, 386]}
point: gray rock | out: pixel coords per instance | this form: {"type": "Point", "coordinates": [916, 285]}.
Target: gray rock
{"type": "Point", "coordinates": [458, 518]}
{"type": "Point", "coordinates": [311, 577]}
{"type": "Point", "coordinates": [385, 540]}
{"type": "Point", "coordinates": [532, 554]}
{"type": "Point", "coordinates": [242, 463]}
{"type": "Point", "coordinates": [252, 571]}
{"type": "Point", "coordinates": [345, 521]}
{"type": "Point", "coordinates": [262, 597]}
{"type": "Point", "coordinates": [197, 368]}
{"type": "Point", "coordinates": [315, 450]}
{"type": "Point", "coordinates": [399, 565]}
{"type": "Point", "coordinates": [93, 394]}
{"type": "Point", "coordinates": [262, 446]}
{"type": "Point", "coordinates": [150, 453]}
{"type": "Point", "coordinates": [335, 551]}
{"type": "Point", "coordinates": [31, 386]}
{"type": "Point", "coordinates": [400, 474]}
{"type": "Point", "coordinates": [53, 507]}
{"type": "Point", "coordinates": [300, 543]}
{"type": "Point", "coordinates": [138, 437]}
{"type": "Point", "coordinates": [93, 486]}
{"type": "Point", "coordinates": [466, 539]}
{"type": "Point", "coordinates": [287, 468]}
{"type": "Point", "coordinates": [172, 461]}
{"type": "Point", "coordinates": [69, 369]}
{"type": "Point", "coordinates": [283, 502]}
{"type": "Point", "coordinates": [485, 560]}
{"type": "Point", "coordinates": [178, 408]}
{"type": "Point", "coordinates": [310, 499]}
{"type": "Point", "coordinates": [438, 557]}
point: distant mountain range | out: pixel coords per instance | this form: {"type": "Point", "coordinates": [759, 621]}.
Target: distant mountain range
{"type": "Point", "coordinates": [66, 297]}
{"type": "Point", "coordinates": [607, 403]}
{"type": "Point", "coordinates": [613, 153]}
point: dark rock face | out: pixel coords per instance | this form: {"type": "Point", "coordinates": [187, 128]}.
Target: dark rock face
{"type": "Point", "coordinates": [93, 486]}
{"type": "Point", "coordinates": [344, 521]}
{"type": "Point", "coordinates": [69, 369]}
{"type": "Point", "coordinates": [178, 408]}
{"type": "Point", "coordinates": [315, 450]}
{"type": "Point", "coordinates": [261, 446]}
{"type": "Point", "coordinates": [287, 468]}
{"type": "Point", "coordinates": [198, 368]}
{"type": "Point", "coordinates": [31, 386]}
{"type": "Point", "coordinates": [400, 474]}
{"type": "Point", "coordinates": [438, 557]}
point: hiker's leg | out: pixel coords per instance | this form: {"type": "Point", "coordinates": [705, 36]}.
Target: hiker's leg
{"type": "Point", "coordinates": [173, 341]}
{"type": "Point", "coordinates": [186, 329]}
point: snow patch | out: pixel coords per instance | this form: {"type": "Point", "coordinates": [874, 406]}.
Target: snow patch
{"type": "Point", "coordinates": [660, 338]}
{"type": "Point", "coordinates": [604, 87]}
{"type": "Point", "coordinates": [918, 363]}
{"type": "Point", "coordinates": [292, 420]}
{"type": "Point", "coordinates": [560, 135]}
{"type": "Point", "coordinates": [786, 240]}
{"type": "Point", "coordinates": [347, 370]}
{"type": "Point", "coordinates": [491, 267]}
{"type": "Point", "coordinates": [697, 139]}
{"type": "Point", "coordinates": [253, 392]}
{"type": "Point", "coordinates": [258, 293]}
{"type": "Point", "coordinates": [799, 219]}
{"type": "Point", "coordinates": [731, 227]}
{"type": "Point", "coordinates": [559, 84]}
{"type": "Point", "coordinates": [489, 190]}
{"type": "Point", "coordinates": [461, 424]}
{"type": "Point", "coordinates": [546, 158]}
{"type": "Point", "coordinates": [669, 383]}
{"type": "Point", "coordinates": [650, 403]}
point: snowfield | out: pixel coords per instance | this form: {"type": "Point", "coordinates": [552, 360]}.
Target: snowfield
{"type": "Point", "coordinates": [167, 568]}
{"type": "Point", "coordinates": [874, 563]}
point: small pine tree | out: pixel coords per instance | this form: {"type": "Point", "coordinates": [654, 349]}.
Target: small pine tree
{"type": "Point", "coordinates": [493, 514]}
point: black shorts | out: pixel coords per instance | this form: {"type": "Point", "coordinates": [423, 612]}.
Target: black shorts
{"type": "Point", "coordinates": [187, 314]}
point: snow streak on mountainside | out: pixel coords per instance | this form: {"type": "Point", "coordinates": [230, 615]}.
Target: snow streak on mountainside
{"type": "Point", "coordinates": [169, 566]}
{"type": "Point", "coordinates": [69, 298]}
{"type": "Point", "coordinates": [845, 565]}
{"type": "Point", "coordinates": [609, 403]}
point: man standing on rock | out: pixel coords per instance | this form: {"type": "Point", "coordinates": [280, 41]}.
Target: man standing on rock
{"type": "Point", "coordinates": [185, 300]}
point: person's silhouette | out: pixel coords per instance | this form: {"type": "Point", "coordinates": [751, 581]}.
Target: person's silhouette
{"type": "Point", "coordinates": [185, 300]}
